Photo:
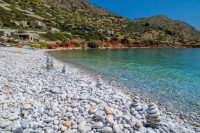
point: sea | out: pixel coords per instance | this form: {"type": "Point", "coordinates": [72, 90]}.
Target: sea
{"type": "Point", "coordinates": [168, 75]}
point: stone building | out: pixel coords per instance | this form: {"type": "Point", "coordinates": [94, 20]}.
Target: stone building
{"type": "Point", "coordinates": [27, 36]}
{"type": "Point", "coordinates": [5, 33]}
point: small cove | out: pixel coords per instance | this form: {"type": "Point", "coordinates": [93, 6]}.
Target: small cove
{"type": "Point", "coordinates": [169, 75]}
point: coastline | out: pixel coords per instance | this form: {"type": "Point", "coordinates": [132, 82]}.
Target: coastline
{"type": "Point", "coordinates": [166, 106]}
{"type": "Point", "coordinates": [68, 102]}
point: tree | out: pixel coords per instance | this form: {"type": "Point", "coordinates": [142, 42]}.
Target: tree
{"type": "Point", "coordinates": [125, 40]}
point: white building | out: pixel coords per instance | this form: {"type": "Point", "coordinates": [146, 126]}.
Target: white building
{"type": "Point", "coordinates": [26, 36]}
{"type": "Point", "coordinates": [6, 33]}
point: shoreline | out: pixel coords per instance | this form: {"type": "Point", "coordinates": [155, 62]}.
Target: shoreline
{"type": "Point", "coordinates": [166, 107]}
{"type": "Point", "coordinates": [68, 102]}
{"type": "Point", "coordinates": [103, 48]}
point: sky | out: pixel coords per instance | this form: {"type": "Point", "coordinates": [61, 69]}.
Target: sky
{"type": "Point", "coordinates": [185, 10]}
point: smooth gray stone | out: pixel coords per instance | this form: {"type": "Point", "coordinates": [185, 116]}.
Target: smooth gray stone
{"type": "Point", "coordinates": [25, 125]}
{"type": "Point", "coordinates": [95, 100]}
{"type": "Point", "coordinates": [3, 115]}
{"type": "Point", "coordinates": [85, 113]}
{"type": "Point", "coordinates": [152, 111]}
{"type": "Point", "coordinates": [55, 90]}
{"type": "Point", "coordinates": [127, 125]}
{"type": "Point", "coordinates": [68, 114]}
{"type": "Point", "coordinates": [8, 128]}
{"type": "Point", "coordinates": [82, 127]}
{"type": "Point", "coordinates": [45, 111]}
{"type": "Point", "coordinates": [55, 109]}
{"type": "Point", "coordinates": [55, 127]}
{"type": "Point", "coordinates": [27, 130]}
{"type": "Point", "coordinates": [97, 125]}
{"type": "Point", "coordinates": [117, 128]}
{"type": "Point", "coordinates": [150, 131]}
{"type": "Point", "coordinates": [152, 104]}
{"type": "Point", "coordinates": [51, 113]}
{"type": "Point", "coordinates": [99, 115]}
{"type": "Point", "coordinates": [13, 117]}
{"type": "Point", "coordinates": [81, 109]}
{"type": "Point", "coordinates": [154, 116]}
{"type": "Point", "coordinates": [70, 95]}
{"type": "Point", "coordinates": [127, 131]}
{"type": "Point", "coordinates": [107, 130]}
{"type": "Point", "coordinates": [37, 131]}
{"type": "Point", "coordinates": [18, 130]}
{"type": "Point", "coordinates": [138, 116]}
{"type": "Point", "coordinates": [55, 122]}
{"type": "Point", "coordinates": [49, 130]}
{"type": "Point", "coordinates": [2, 131]}
{"type": "Point", "coordinates": [4, 124]}
{"type": "Point", "coordinates": [109, 119]}
{"type": "Point", "coordinates": [48, 120]}
{"type": "Point", "coordinates": [80, 119]}
{"type": "Point", "coordinates": [74, 104]}
{"type": "Point", "coordinates": [126, 118]}
{"type": "Point", "coordinates": [69, 109]}
{"type": "Point", "coordinates": [74, 126]}
{"type": "Point", "coordinates": [83, 97]}
{"type": "Point", "coordinates": [138, 108]}
{"type": "Point", "coordinates": [75, 110]}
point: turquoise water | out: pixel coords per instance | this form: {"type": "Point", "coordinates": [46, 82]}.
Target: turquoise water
{"type": "Point", "coordinates": [168, 74]}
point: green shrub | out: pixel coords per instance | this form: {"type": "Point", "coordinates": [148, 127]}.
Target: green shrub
{"type": "Point", "coordinates": [38, 44]}
{"type": "Point", "coordinates": [93, 44]}
{"type": "Point", "coordinates": [114, 37]}
{"type": "Point", "coordinates": [57, 36]}
{"type": "Point", "coordinates": [125, 40]}
{"type": "Point", "coordinates": [42, 44]}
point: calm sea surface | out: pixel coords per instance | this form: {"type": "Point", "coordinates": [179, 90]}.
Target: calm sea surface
{"type": "Point", "coordinates": [168, 74]}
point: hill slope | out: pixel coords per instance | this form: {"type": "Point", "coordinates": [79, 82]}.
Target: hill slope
{"type": "Point", "coordinates": [87, 21]}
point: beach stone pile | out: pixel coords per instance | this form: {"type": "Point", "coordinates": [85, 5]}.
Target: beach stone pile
{"type": "Point", "coordinates": [99, 82]}
{"type": "Point", "coordinates": [36, 100]}
{"type": "Point", "coordinates": [153, 115]}
{"type": "Point", "coordinates": [137, 106]}
{"type": "Point", "coordinates": [64, 69]}
{"type": "Point", "coordinates": [49, 63]}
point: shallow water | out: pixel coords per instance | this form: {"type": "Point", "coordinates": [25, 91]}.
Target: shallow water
{"type": "Point", "coordinates": [171, 75]}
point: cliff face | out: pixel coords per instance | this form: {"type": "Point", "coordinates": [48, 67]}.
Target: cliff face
{"type": "Point", "coordinates": [84, 20]}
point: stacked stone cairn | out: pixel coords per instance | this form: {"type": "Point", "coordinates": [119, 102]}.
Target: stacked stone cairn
{"type": "Point", "coordinates": [48, 67]}
{"type": "Point", "coordinates": [136, 106]}
{"type": "Point", "coordinates": [99, 82]}
{"type": "Point", "coordinates": [49, 63]}
{"type": "Point", "coordinates": [64, 69]}
{"type": "Point", "coordinates": [153, 115]}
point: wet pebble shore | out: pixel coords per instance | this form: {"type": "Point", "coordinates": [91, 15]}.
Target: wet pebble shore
{"type": "Point", "coordinates": [37, 97]}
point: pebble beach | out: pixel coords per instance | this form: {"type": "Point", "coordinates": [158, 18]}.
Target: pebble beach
{"type": "Point", "coordinates": [39, 94]}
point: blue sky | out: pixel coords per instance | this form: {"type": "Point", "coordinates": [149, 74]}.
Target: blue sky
{"type": "Point", "coordinates": [185, 10]}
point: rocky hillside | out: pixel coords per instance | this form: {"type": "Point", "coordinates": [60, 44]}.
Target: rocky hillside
{"type": "Point", "coordinates": [83, 20]}
{"type": "Point", "coordinates": [78, 5]}
{"type": "Point", "coordinates": [163, 30]}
